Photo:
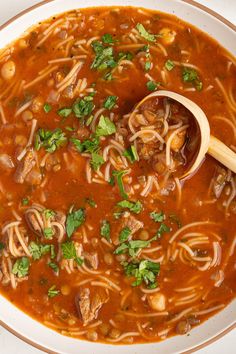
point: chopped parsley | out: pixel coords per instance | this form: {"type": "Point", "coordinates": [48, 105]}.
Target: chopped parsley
{"type": "Point", "coordinates": [74, 219]}
{"type": "Point", "coordinates": [145, 34]}
{"type": "Point", "coordinates": [135, 207]}
{"type": "Point", "coordinates": [83, 107]}
{"type": "Point", "coordinates": [47, 107]}
{"type": "Point", "coordinates": [91, 202]}
{"type": "Point", "coordinates": [54, 266]}
{"type": "Point", "coordinates": [162, 229]}
{"type": "Point", "coordinates": [105, 127]}
{"type": "Point", "coordinates": [52, 292]}
{"type": "Point", "coordinates": [169, 65]}
{"type": "Point", "coordinates": [131, 154]}
{"type": "Point", "coordinates": [133, 246]}
{"type": "Point", "coordinates": [25, 201]}
{"type": "Point", "coordinates": [157, 217]}
{"type": "Point", "coordinates": [104, 56]}
{"type": "Point", "coordinates": [191, 76]}
{"type": "Point", "coordinates": [50, 140]}
{"type": "Point", "coordinates": [87, 145]}
{"type": "Point", "coordinates": [48, 213]}
{"type": "Point", "coordinates": [96, 161]}
{"type": "Point", "coordinates": [147, 66]}
{"type": "Point", "coordinates": [110, 102]}
{"type": "Point", "coordinates": [105, 230]}
{"type": "Point", "coordinates": [38, 250]}
{"type": "Point", "coordinates": [124, 234]}
{"type": "Point", "coordinates": [143, 271]}
{"type": "Point", "coordinates": [107, 38]}
{"type": "Point", "coordinates": [152, 85]}
{"type": "Point", "coordinates": [21, 267]}
{"type": "Point", "coordinates": [64, 112]}
{"type": "Point", "coordinates": [48, 233]}
{"type": "Point", "coordinates": [118, 176]}
{"type": "Point", "coordinates": [2, 246]}
{"type": "Point", "coordinates": [69, 252]}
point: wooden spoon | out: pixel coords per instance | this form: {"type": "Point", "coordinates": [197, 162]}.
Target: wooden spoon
{"type": "Point", "coordinates": [208, 143]}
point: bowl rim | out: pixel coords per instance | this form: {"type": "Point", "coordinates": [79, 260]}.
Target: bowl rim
{"type": "Point", "coordinates": [225, 331]}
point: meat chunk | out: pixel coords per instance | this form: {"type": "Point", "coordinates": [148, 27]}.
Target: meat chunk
{"type": "Point", "coordinates": [6, 162]}
{"type": "Point", "coordinates": [91, 259]}
{"type": "Point", "coordinates": [132, 223]}
{"type": "Point", "coordinates": [24, 167]}
{"type": "Point", "coordinates": [88, 306]}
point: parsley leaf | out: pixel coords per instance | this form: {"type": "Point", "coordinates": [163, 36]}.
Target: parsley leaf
{"type": "Point", "coordinates": [47, 107]}
{"type": "Point", "coordinates": [107, 38]}
{"type": "Point", "coordinates": [118, 175]}
{"type": "Point", "coordinates": [131, 154]}
{"type": "Point", "coordinates": [74, 219]}
{"type": "Point", "coordinates": [163, 228]}
{"type": "Point", "coordinates": [157, 217]}
{"type": "Point", "coordinates": [110, 102]}
{"type": "Point", "coordinates": [48, 233]}
{"type": "Point", "coordinates": [152, 85]}
{"type": "Point", "coordinates": [124, 234]}
{"type": "Point", "coordinates": [21, 267]}
{"type": "Point", "coordinates": [83, 107]}
{"type": "Point", "coordinates": [50, 140]}
{"type": "Point", "coordinates": [143, 271]}
{"type": "Point", "coordinates": [53, 292]}
{"type": "Point", "coordinates": [145, 34]}
{"type": "Point", "coordinates": [48, 213]}
{"type": "Point", "coordinates": [104, 57]}
{"type": "Point", "coordinates": [87, 145]}
{"type": "Point", "coordinates": [96, 161]}
{"type": "Point", "coordinates": [105, 230]}
{"type": "Point", "coordinates": [135, 207]}
{"type": "Point", "coordinates": [54, 266]}
{"type": "Point", "coordinates": [105, 127]}
{"type": "Point", "coordinates": [147, 66]}
{"type": "Point", "coordinates": [38, 250]}
{"type": "Point", "coordinates": [69, 252]}
{"type": "Point", "coordinates": [190, 75]}
{"type": "Point", "coordinates": [25, 201]}
{"type": "Point", "coordinates": [64, 112]}
{"type": "Point", "coordinates": [2, 246]}
{"type": "Point", "coordinates": [169, 65]}
{"type": "Point", "coordinates": [133, 246]}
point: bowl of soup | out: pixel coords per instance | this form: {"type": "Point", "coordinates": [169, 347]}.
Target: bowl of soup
{"type": "Point", "coordinates": [103, 246]}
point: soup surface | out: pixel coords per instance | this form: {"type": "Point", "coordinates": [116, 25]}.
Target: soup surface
{"type": "Point", "coordinates": [100, 239]}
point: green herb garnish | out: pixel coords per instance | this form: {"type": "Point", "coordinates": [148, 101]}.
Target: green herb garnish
{"type": "Point", "coordinates": [143, 271]}
{"type": "Point", "coordinates": [157, 217]}
{"type": "Point", "coordinates": [50, 140]}
{"type": "Point", "coordinates": [38, 250]}
{"type": "Point", "coordinates": [110, 102]}
{"type": "Point", "coordinates": [25, 201]}
{"type": "Point", "coordinates": [64, 112]}
{"type": "Point", "coordinates": [96, 161]}
{"type": "Point", "coordinates": [124, 234]}
{"type": "Point", "coordinates": [53, 291]}
{"type": "Point", "coordinates": [69, 252]}
{"type": "Point", "coordinates": [21, 267]}
{"type": "Point", "coordinates": [145, 34]}
{"type": "Point", "coordinates": [191, 76]}
{"type": "Point", "coordinates": [54, 266]}
{"type": "Point", "coordinates": [47, 107]}
{"type": "Point", "coordinates": [107, 38]}
{"type": "Point", "coordinates": [133, 246]}
{"type": "Point", "coordinates": [163, 228]}
{"type": "Point", "coordinates": [105, 230]}
{"type": "Point", "coordinates": [74, 219]}
{"type": "Point", "coordinates": [131, 154]}
{"type": "Point", "coordinates": [48, 233]}
{"type": "Point", "coordinates": [152, 85]}
{"type": "Point", "coordinates": [83, 107]}
{"type": "Point", "coordinates": [105, 127]}
{"type": "Point", "coordinates": [169, 65]}
{"type": "Point", "coordinates": [118, 176]}
{"type": "Point", "coordinates": [174, 219]}
{"type": "Point", "coordinates": [135, 207]}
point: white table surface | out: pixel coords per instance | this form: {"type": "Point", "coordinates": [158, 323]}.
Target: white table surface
{"type": "Point", "coordinates": [9, 344]}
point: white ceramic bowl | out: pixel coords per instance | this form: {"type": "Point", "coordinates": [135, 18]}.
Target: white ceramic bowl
{"type": "Point", "coordinates": [44, 338]}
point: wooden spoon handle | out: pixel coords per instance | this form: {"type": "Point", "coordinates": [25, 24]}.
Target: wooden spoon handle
{"type": "Point", "coordinates": [222, 153]}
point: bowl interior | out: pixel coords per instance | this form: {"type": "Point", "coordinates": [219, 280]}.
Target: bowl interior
{"type": "Point", "coordinates": [21, 323]}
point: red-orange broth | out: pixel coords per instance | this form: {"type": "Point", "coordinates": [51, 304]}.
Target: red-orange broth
{"type": "Point", "coordinates": [100, 239]}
